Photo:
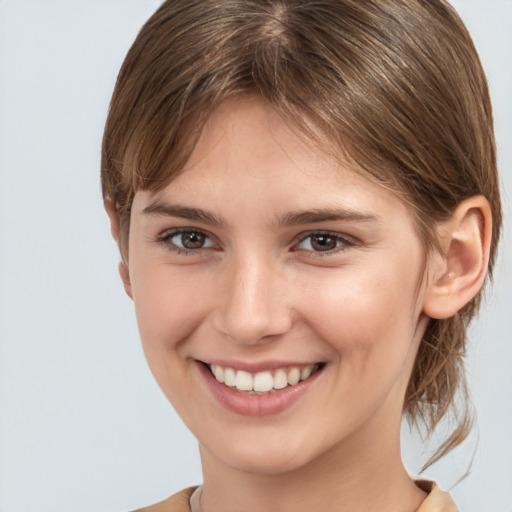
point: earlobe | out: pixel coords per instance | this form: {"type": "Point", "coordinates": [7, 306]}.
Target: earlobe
{"type": "Point", "coordinates": [459, 272]}
{"type": "Point", "coordinates": [114, 229]}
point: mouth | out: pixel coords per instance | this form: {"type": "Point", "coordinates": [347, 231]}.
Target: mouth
{"type": "Point", "coordinates": [263, 382]}
{"type": "Point", "coordinates": [260, 390]}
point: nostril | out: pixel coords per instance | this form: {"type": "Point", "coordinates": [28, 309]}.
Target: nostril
{"type": "Point", "coordinates": [253, 330]}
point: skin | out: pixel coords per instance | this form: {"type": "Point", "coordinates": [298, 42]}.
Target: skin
{"type": "Point", "coordinates": [260, 291]}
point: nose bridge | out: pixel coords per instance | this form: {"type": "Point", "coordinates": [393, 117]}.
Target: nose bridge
{"type": "Point", "coordinates": [252, 307]}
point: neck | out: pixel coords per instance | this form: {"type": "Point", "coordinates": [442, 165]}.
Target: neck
{"type": "Point", "coordinates": [358, 475]}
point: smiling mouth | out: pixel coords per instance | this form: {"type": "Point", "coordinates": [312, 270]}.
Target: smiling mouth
{"type": "Point", "coordinates": [266, 382]}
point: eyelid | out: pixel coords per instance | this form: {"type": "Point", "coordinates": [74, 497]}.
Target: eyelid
{"type": "Point", "coordinates": [164, 238]}
{"type": "Point", "coordinates": [347, 242]}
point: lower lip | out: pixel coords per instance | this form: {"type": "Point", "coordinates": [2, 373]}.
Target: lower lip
{"type": "Point", "coordinates": [257, 405]}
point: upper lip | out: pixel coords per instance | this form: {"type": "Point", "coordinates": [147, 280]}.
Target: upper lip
{"type": "Point", "coordinates": [258, 366]}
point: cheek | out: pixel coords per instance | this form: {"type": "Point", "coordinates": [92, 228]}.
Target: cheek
{"type": "Point", "coordinates": [170, 304]}
{"type": "Point", "coordinates": [365, 316]}
{"type": "Point", "coordinates": [369, 326]}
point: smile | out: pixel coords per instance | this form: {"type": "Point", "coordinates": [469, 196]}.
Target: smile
{"type": "Point", "coordinates": [266, 390]}
{"type": "Point", "coordinates": [264, 382]}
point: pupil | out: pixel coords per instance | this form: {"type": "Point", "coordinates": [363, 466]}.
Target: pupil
{"type": "Point", "coordinates": [323, 242]}
{"type": "Point", "coordinates": [192, 240]}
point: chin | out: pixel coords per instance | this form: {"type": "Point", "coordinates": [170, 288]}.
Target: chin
{"type": "Point", "coordinates": [267, 462]}
{"type": "Point", "coordinates": [263, 456]}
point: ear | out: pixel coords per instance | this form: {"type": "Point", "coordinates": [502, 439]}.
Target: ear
{"type": "Point", "coordinates": [457, 274]}
{"type": "Point", "coordinates": [114, 230]}
{"type": "Point", "coordinates": [110, 208]}
{"type": "Point", "coordinates": [124, 272]}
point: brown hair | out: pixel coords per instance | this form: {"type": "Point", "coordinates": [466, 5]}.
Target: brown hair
{"type": "Point", "coordinates": [395, 86]}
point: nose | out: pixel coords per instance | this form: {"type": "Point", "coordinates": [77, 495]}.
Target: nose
{"type": "Point", "coordinates": [252, 306]}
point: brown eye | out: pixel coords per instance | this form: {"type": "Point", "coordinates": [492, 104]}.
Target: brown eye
{"type": "Point", "coordinates": [323, 242]}
{"type": "Point", "coordinates": [186, 240]}
{"type": "Point", "coordinates": [192, 240]}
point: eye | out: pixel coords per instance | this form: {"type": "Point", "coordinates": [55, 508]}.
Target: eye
{"type": "Point", "coordinates": [186, 240]}
{"type": "Point", "coordinates": [324, 242]}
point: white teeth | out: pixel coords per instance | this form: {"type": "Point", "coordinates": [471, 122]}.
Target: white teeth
{"type": "Point", "coordinates": [218, 371]}
{"type": "Point", "coordinates": [280, 379]}
{"type": "Point", "coordinates": [304, 374]}
{"type": "Point", "coordinates": [243, 381]}
{"type": "Point", "coordinates": [261, 382]}
{"type": "Point", "coordinates": [293, 376]}
{"type": "Point", "coordinates": [229, 377]}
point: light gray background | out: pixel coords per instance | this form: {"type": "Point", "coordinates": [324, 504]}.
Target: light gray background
{"type": "Point", "coordinates": [83, 427]}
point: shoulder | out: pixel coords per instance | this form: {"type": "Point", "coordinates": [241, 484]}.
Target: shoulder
{"type": "Point", "coordinates": [179, 502]}
{"type": "Point", "coordinates": [437, 500]}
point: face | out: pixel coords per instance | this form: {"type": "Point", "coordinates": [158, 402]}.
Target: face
{"type": "Point", "coordinates": [278, 295]}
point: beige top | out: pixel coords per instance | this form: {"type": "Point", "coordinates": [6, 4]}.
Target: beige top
{"type": "Point", "coordinates": [436, 501]}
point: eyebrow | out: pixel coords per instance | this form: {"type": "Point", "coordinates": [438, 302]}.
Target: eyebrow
{"type": "Point", "coordinates": [183, 212]}
{"type": "Point", "coordinates": [289, 219]}
{"type": "Point", "coordinates": [325, 215]}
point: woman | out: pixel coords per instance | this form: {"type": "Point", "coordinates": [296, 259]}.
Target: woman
{"type": "Point", "coordinates": [306, 203]}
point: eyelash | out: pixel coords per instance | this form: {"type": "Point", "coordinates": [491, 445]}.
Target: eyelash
{"type": "Point", "coordinates": [165, 239]}
{"type": "Point", "coordinates": [343, 242]}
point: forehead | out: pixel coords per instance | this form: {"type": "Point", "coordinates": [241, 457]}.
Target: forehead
{"type": "Point", "coordinates": [248, 126]}
{"type": "Point", "coordinates": [247, 155]}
